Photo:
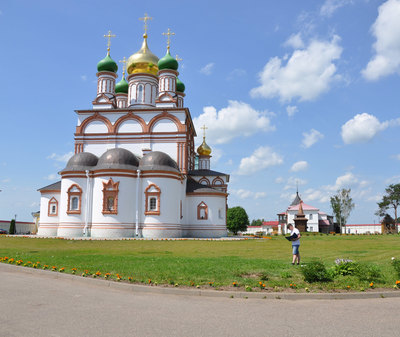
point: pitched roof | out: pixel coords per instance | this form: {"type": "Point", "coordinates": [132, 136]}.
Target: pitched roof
{"type": "Point", "coordinates": [323, 222]}
{"type": "Point", "coordinates": [305, 207]}
{"type": "Point", "coordinates": [296, 200]}
{"type": "Point", "coordinates": [52, 187]}
{"type": "Point", "coordinates": [271, 223]}
{"type": "Point", "coordinates": [206, 173]}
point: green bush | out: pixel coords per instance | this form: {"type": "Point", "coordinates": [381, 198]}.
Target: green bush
{"type": "Point", "coordinates": [368, 272]}
{"type": "Point", "coordinates": [396, 266]}
{"type": "Point", "coordinates": [12, 227]}
{"type": "Point", "coordinates": [315, 271]}
{"type": "Point", "coordinates": [345, 267]}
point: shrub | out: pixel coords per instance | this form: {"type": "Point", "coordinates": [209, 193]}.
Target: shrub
{"type": "Point", "coordinates": [315, 271]}
{"type": "Point", "coordinates": [345, 267]}
{"type": "Point", "coordinates": [368, 272]}
{"type": "Point", "coordinates": [396, 266]}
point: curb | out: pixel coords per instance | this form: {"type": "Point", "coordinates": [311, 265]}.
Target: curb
{"type": "Point", "coordinates": [195, 292]}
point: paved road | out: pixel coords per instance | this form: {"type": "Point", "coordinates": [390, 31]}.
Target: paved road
{"type": "Point", "coordinates": [33, 305]}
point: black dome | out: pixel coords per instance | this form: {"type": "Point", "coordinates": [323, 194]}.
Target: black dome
{"type": "Point", "coordinates": [81, 161]}
{"type": "Point", "coordinates": [157, 160]}
{"type": "Point", "coordinates": [118, 159]}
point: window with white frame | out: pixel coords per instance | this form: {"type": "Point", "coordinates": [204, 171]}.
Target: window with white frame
{"type": "Point", "coordinates": [53, 207]}
{"type": "Point", "coordinates": [152, 197]}
{"type": "Point", "coordinates": [74, 199]}
{"type": "Point", "coordinates": [311, 216]}
{"type": "Point", "coordinates": [110, 197]}
{"type": "Point", "coordinates": [202, 211]}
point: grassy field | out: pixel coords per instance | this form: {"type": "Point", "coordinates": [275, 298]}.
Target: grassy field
{"type": "Point", "coordinates": [199, 262]}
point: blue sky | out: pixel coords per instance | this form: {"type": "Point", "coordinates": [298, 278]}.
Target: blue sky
{"type": "Point", "coordinates": [291, 91]}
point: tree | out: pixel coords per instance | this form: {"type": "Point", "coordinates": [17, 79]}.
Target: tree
{"type": "Point", "coordinates": [390, 200]}
{"type": "Point", "coordinates": [257, 222]}
{"type": "Point", "coordinates": [342, 205]}
{"type": "Point", "coordinates": [12, 227]}
{"type": "Point", "coordinates": [237, 219]}
{"type": "Point", "coordinates": [388, 224]}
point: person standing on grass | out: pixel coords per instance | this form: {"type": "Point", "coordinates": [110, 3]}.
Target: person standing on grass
{"type": "Point", "coordinates": [295, 244]}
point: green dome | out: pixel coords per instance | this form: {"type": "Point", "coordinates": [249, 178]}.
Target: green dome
{"type": "Point", "coordinates": [107, 64]}
{"type": "Point", "coordinates": [179, 85]}
{"type": "Point", "coordinates": [168, 62]}
{"type": "Point", "coordinates": [122, 86]}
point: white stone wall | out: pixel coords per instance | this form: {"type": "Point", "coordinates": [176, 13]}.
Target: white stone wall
{"type": "Point", "coordinates": [214, 226]}
{"type": "Point", "coordinates": [312, 224]}
{"type": "Point", "coordinates": [363, 229]}
{"type": "Point", "coordinates": [117, 225]}
{"type": "Point", "coordinates": [168, 223]}
{"type": "Point", "coordinates": [71, 225]}
{"type": "Point", "coordinates": [48, 225]}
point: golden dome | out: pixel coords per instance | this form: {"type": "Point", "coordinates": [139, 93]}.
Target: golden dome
{"type": "Point", "coordinates": [204, 149]}
{"type": "Point", "coordinates": [144, 61]}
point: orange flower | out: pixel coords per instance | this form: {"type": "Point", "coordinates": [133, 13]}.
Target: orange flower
{"type": "Point", "coordinates": [149, 281]}
{"type": "Point", "coordinates": [371, 284]}
{"type": "Point", "coordinates": [397, 282]}
{"type": "Point", "coordinates": [234, 284]}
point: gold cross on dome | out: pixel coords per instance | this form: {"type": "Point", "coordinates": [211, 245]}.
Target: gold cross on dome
{"type": "Point", "coordinates": [124, 62]}
{"type": "Point", "coordinates": [204, 128]}
{"type": "Point", "coordinates": [169, 33]}
{"type": "Point", "coordinates": [145, 19]}
{"type": "Point", "coordinates": [109, 36]}
{"type": "Point", "coordinates": [177, 58]}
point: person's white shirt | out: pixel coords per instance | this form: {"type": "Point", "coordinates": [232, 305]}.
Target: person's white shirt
{"type": "Point", "coordinates": [295, 231]}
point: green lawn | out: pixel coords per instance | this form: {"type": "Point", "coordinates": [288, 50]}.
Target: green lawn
{"type": "Point", "coordinates": [199, 262]}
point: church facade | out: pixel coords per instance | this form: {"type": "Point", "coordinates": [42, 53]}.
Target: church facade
{"type": "Point", "coordinates": [135, 171]}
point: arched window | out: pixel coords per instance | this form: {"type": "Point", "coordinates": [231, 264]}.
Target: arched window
{"type": "Point", "coordinates": [110, 197]}
{"type": "Point", "coordinates": [53, 207]}
{"type": "Point", "coordinates": [74, 199]}
{"type": "Point", "coordinates": [152, 197]}
{"type": "Point", "coordinates": [204, 181]}
{"type": "Point", "coordinates": [202, 211]}
{"type": "Point", "coordinates": [140, 94]}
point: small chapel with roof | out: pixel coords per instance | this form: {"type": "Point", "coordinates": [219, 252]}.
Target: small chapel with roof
{"type": "Point", "coordinates": [135, 171]}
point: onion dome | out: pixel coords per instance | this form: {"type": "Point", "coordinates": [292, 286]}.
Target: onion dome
{"type": "Point", "coordinates": [81, 161]}
{"type": "Point", "coordinates": [156, 160]}
{"type": "Point", "coordinates": [107, 64]}
{"type": "Point", "coordinates": [168, 62]}
{"type": "Point", "coordinates": [118, 158]}
{"type": "Point", "coordinates": [144, 61]}
{"type": "Point", "coordinates": [180, 87]}
{"type": "Point", "coordinates": [122, 86]}
{"type": "Point", "coordinates": [204, 149]}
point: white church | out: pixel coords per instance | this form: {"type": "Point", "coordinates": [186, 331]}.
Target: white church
{"type": "Point", "coordinates": [135, 172]}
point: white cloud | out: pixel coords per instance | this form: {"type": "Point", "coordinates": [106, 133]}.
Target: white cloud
{"type": "Point", "coordinates": [7, 180]}
{"type": "Point", "coordinates": [83, 78]}
{"type": "Point", "coordinates": [396, 156]}
{"type": "Point", "coordinates": [393, 180]}
{"type": "Point", "coordinates": [292, 183]}
{"type": "Point", "coordinates": [279, 180]}
{"type": "Point", "coordinates": [295, 41]}
{"type": "Point", "coordinates": [235, 73]}
{"type": "Point", "coordinates": [299, 166]}
{"type": "Point", "coordinates": [61, 157]}
{"type": "Point", "coordinates": [262, 158]}
{"type": "Point", "coordinates": [246, 194]}
{"type": "Point", "coordinates": [362, 128]}
{"type": "Point", "coordinates": [330, 6]}
{"type": "Point", "coordinates": [347, 180]}
{"type": "Point", "coordinates": [53, 176]}
{"type": "Point", "coordinates": [291, 110]}
{"type": "Point", "coordinates": [386, 30]}
{"type": "Point", "coordinates": [237, 119]}
{"type": "Point", "coordinates": [311, 138]}
{"type": "Point", "coordinates": [34, 204]}
{"type": "Point", "coordinates": [307, 73]}
{"type": "Point", "coordinates": [207, 69]}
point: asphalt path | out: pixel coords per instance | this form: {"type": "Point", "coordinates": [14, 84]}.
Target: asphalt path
{"type": "Point", "coordinates": [34, 305]}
